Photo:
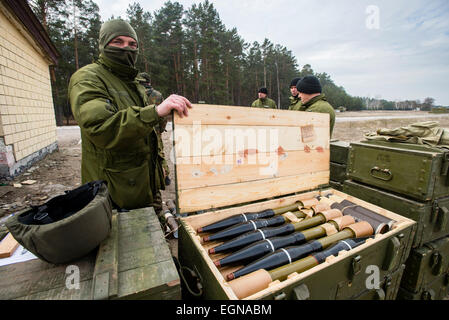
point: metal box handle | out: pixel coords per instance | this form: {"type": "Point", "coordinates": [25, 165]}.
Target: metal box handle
{"type": "Point", "coordinates": [442, 218]}
{"type": "Point", "coordinates": [385, 174]}
{"type": "Point", "coordinates": [392, 253]}
{"type": "Point", "coordinates": [301, 292]}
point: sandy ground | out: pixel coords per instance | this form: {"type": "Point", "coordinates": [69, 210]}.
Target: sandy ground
{"type": "Point", "coordinates": [352, 126]}
{"type": "Point", "coordinates": [60, 170]}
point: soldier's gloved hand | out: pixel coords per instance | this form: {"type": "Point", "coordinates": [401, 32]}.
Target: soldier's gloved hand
{"type": "Point", "coordinates": [174, 102]}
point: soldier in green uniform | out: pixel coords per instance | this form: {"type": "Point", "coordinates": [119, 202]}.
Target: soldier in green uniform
{"type": "Point", "coordinates": [313, 100]}
{"type": "Point", "coordinates": [155, 97]}
{"type": "Point", "coordinates": [264, 101]}
{"type": "Point", "coordinates": [295, 101]}
{"type": "Point", "coordinates": [117, 122]}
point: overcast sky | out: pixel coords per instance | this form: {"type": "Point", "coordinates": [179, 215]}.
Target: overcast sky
{"type": "Point", "coordinates": [393, 50]}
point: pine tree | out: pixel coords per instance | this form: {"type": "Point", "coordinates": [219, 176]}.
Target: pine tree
{"type": "Point", "coordinates": [168, 49]}
{"type": "Point", "coordinates": [141, 21]}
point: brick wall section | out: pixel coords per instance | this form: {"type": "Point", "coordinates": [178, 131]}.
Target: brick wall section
{"type": "Point", "coordinates": [27, 120]}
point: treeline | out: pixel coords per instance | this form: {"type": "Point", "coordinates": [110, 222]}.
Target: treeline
{"type": "Point", "coordinates": [336, 95]}
{"type": "Point", "coordinates": [382, 104]}
{"type": "Point", "coordinates": [73, 26]}
{"type": "Point", "coordinates": [188, 51]}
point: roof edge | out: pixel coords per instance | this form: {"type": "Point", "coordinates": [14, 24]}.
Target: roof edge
{"type": "Point", "coordinates": [28, 19]}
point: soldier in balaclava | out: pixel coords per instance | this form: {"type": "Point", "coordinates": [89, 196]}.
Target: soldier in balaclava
{"type": "Point", "coordinates": [119, 142]}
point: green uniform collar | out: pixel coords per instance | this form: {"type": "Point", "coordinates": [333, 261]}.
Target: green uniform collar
{"type": "Point", "coordinates": [293, 99]}
{"type": "Point", "coordinates": [315, 99]}
{"type": "Point", "coordinates": [118, 69]}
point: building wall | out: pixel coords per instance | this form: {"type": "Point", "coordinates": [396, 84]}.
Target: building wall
{"type": "Point", "coordinates": [27, 119]}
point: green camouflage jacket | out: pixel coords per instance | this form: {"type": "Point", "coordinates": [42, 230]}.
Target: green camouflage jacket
{"type": "Point", "coordinates": [119, 143]}
{"type": "Point", "coordinates": [295, 103]}
{"type": "Point", "coordinates": [155, 97]}
{"type": "Point", "coordinates": [264, 103]}
{"type": "Point", "coordinates": [320, 104]}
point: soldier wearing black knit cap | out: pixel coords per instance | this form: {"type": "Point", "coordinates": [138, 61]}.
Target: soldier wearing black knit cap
{"type": "Point", "coordinates": [264, 101]}
{"type": "Point", "coordinates": [309, 91]}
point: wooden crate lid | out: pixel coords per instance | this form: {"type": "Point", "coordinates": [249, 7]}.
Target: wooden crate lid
{"type": "Point", "coordinates": [227, 155]}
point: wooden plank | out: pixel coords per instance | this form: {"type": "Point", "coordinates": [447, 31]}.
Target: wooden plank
{"type": "Point", "coordinates": [146, 267]}
{"type": "Point", "coordinates": [105, 278]}
{"type": "Point", "coordinates": [29, 278]}
{"type": "Point", "coordinates": [234, 137]}
{"type": "Point", "coordinates": [83, 293]}
{"type": "Point", "coordinates": [7, 246]}
{"type": "Point", "coordinates": [151, 280]}
{"type": "Point", "coordinates": [211, 140]}
{"type": "Point", "coordinates": [232, 115]}
{"type": "Point", "coordinates": [219, 196]}
{"type": "Point", "coordinates": [141, 240]}
{"type": "Point", "coordinates": [218, 170]}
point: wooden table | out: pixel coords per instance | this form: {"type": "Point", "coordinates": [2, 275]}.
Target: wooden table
{"type": "Point", "coordinates": [134, 262]}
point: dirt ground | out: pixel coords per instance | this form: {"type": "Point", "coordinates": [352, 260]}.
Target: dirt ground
{"type": "Point", "coordinates": [60, 170]}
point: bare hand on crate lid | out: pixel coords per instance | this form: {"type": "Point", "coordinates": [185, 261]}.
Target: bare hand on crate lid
{"type": "Point", "coordinates": [174, 102]}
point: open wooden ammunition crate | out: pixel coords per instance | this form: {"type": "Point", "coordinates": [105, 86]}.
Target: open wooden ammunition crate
{"type": "Point", "coordinates": [231, 160]}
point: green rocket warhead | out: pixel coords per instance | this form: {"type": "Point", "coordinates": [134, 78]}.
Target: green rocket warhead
{"type": "Point", "coordinates": [265, 246]}
{"type": "Point", "coordinates": [293, 253]}
{"type": "Point", "coordinates": [288, 228]}
{"type": "Point", "coordinates": [244, 217]}
{"type": "Point", "coordinates": [309, 206]}
{"type": "Point", "coordinates": [256, 281]}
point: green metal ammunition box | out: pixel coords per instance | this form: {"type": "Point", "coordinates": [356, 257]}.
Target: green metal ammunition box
{"type": "Point", "coordinates": [336, 185]}
{"type": "Point", "coordinates": [220, 190]}
{"type": "Point", "coordinates": [432, 216]}
{"type": "Point", "coordinates": [346, 276]}
{"type": "Point", "coordinates": [437, 290]}
{"type": "Point", "coordinates": [339, 151]}
{"type": "Point", "coordinates": [337, 172]}
{"type": "Point", "coordinates": [415, 171]}
{"type": "Point", "coordinates": [134, 262]}
{"type": "Point", "coordinates": [426, 265]}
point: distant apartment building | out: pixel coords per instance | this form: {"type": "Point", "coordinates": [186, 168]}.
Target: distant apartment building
{"type": "Point", "coordinates": [27, 118]}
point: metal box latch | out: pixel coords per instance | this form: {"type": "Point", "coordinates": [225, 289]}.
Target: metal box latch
{"type": "Point", "coordinates": [356, 266]}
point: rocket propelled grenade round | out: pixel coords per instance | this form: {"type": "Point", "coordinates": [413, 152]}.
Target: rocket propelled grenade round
{"type": "Point", "coordinates": [288, 255]}
{"type": "Point", "coordinates": [262, 247]}
{"type": "Point", "coordinates": [266, 233]}
{"type": "Point", "coordinates": [245, 227]}
{"type": "Point", "coordinates": [249, 284]}
{"type": "Point", "coordinates": [253, 236]}
{"type": "Point", "coordinates": [244, 217]}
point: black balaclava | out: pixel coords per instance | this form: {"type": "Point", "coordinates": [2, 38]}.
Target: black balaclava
{"type": "Point", "coordinates": [112, 29]}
